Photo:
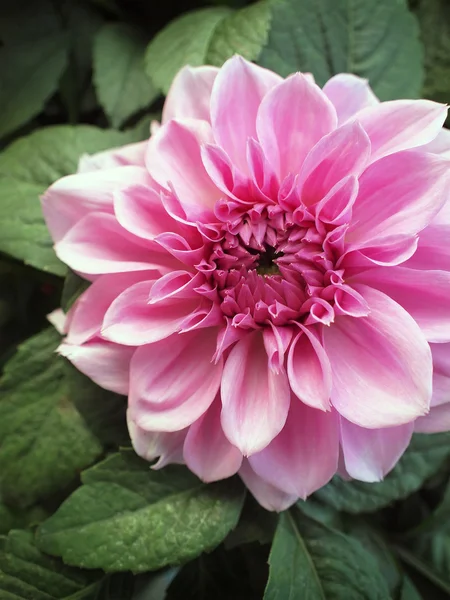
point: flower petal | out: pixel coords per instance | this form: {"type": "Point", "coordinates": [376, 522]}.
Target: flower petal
{"type": "Point", "coordinates": [270, 497]}
{"type": "Point", "coordinates": [292, 118]}
{"type": "Point", "coordinates": [237, 93]}
{"type": "Point", "coordinates": [189, 96]}
{"type": "Point", "coordinates": [166, 446]}
{"type": "Point", "coordinates": [398, 195]}
{"type": "Point", "coordinates": [130, 154]}
{"type": "Point", "coordinates": [255, 399]}
{"type": "Point", "coordinates": [174, 159]}
{"type": "Point", "coordinates": [369, 454]}
{"type": "Point", "coordinates": [349, 94]}
{"type": "Point", "coordinates": [436, 421]}
{"type": "Point", "coordinates": [433, 251]}
{"type": "Point", "coordinates": [132, 321]}
{"type": "Point", "coordinates": [173, 382]}
{"type": "Point", "coordinates": [381, 364]}
{"type": "Point", "coordinates": [207, 451]}
{"type": "Point", "coordinates": [98, 244]}
{"type": "Point", "coordinates": [343, 152]}
{"type": "Point", "coordinates": [440, 145]}
{"type": "Point", "coordinates": [304, 455]}
{"type": "Point", "coordinates": [401, 124]}
{"type": "Point", "coordinates": [309, 370]}
{"type": "Point", "coordinates": [71, 198]}
{"type": "Point", "coordinates": [423, 294]}
{"type": "Point", "coordinates": [108, 365]}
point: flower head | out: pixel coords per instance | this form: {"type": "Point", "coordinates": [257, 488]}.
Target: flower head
{"type": "Point", "coordinates": [268, 271]}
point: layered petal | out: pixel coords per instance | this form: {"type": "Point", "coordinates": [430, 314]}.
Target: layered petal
{"type": "Point", "coordinates": [349, 94]}
{"type": "Point", "coordinates": [166, 446]}
{"type": "Point", "coordinates": [381, 364]}
{"type": "Point", "coordinates": [401, 124]}
{"type": "Point", "coordinates": [304, 455]}
{"type": "Point", "coordinates": [292, 118]}
{"type": "Point", "coordinates": [207, 451]}
{"type": "Point", "coordinates": [423, 294]}
{"type": "Point", "coordinates": [132, 321]}
{"type": "Point", "coordinates": [189, 96]}
{"type": "Point", "coordinates": [174, 160]}
{"type": "Point", "coordinates": [255, 399]}
{"type": "Point", "coordinates": [173, 382]}
{"type": "Point", "coordinates": [130, 154]}
{"type": "Point", "coordinates": [236, 96]}
{"type": "Point", "coordinates": [309, 370]}
{"type": "Point", "coordinates": [270, 497]}
{"type": "Point", "coordinates": [398, 196]}
{"type": "Point", "coordinates": [73, 197]}
{"type": "Point", "coordinates": [108, 365]}
{"type": "Point", "coordinates": [369, 454]}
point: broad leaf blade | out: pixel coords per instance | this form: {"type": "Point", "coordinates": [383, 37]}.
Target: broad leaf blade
{"type": "Point", "coordinates": [127, 517]}
{"type": "Point", "coordinates": [376, 39]}
{"type": "Point", "coordinates": [184, 41]}
{"type": "Point", "coordinates": [121, 82]}
{"type": "Point", "coordinates": [310, 561]}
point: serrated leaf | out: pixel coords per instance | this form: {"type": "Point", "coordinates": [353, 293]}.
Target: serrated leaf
{"type": "Point", "coordinates": [128, 517]}
{"type": "Point", "coordinates": [32, 60]}
{"type": "Point", "coordinates": [309, 561]}
{"type": "Point", "coordinates": [376, 39]}
{"type": "Point", "coordinates": [44, 442]}
{"type": "Point", "coordinates": [184, 41]}
{"type": "Point", "coordinates": [26, 573]}
{"type": "Point", "coordinates": [243, 32]}
{"type": "Point", "coordinates": [27, 167]}
{"type": "Point", "coordinates": [120, 80]}
{"type": "Point", "coordinates": [434, 20]}
{"type": "Point", "coordinates": [424, 457]}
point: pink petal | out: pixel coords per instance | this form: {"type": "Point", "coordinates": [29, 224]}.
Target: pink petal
{"type": "Point", "coordinates": [173, 159]}
{"type": "Point", "coordinates": [381, 364]}
{"type": "Point", "coordinates": [370, 454]}
{"type": "Point", "coordinates": [343, 152]}
{"type": "Point", "coordinates": [255, 399]}
{"type": "Point", "coordinates": [401, 124]}
{"type": "Point", "coordinates": [166, 446]}
{"type": "Point", "coordinates": [140, 211]}
{"type": "Point", "coordinates": [97, 244]}
{"type": "Point", "coordinates": [173, 382]}
{"type": "Point", "coordinates": [423, 294]}
{"type": "Point", "coordinates": [108, 365]}
{"type": "Point", "coordinates": [132, 321]}
{"type": "Point", "coordinates": [58, 319]}
{"type": "Point", "coordinates": [441, 374]}
{"type": "Point", "coordinates": [189, 96]}
{"type": "Point", "coordinates": [237, 93]}
{"type": "Point", "coordinates": [440, 145]}
{"type": "Point", "coordinates": [270, 497]}
{"type": "Point", "coordinates": [71, 198]}
{"type": "Point", "coordinates": [130, 154]}
{"type": "Point", "coordinates": [336, 206]}
{"type": "Point", "coordinates": [207, 451]}
{"type": "Point", "coordinates": [304, 456]}
{"type": "Point", "coordinates": [398, 195]}
{"type": "Point", "coordinates": [87, 314]}
{"type": "Point", "coordinates": [436, 421]}
{"type": "Point", "coordinates": [309, 370]}
{"type": "Point", "coordinates": [292, 118]}
{"type": "Point", "coordinates": [349, 94]}
{"type": "Point", "coordinates": [433, 251]}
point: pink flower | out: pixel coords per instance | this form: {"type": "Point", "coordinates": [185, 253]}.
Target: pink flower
{"type": "Point", "coordinates": [268, 272]}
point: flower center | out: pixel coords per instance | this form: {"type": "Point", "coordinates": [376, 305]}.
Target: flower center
{"type": "Point", "coordinates": [266, 261]}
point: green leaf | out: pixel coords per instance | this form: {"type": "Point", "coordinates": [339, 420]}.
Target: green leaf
{"type": "Point", "coordinates": [434, 20]}
{"type": "Point", "coordinates": [128, 517]}
{"type": "Point", "coordinates": [425, 568]}
{"type": "Point", "coordinates": [310, 561]}
{"type": "Point", "coordinates": [121, 82]}
{"type": "Point", "coordinates": [376, 39]}
{"type": "Point", "coordinates": [424, 457]}
{"type": "Point", "coordinates": [32, 60]}
{"type": "Point", "coordinates": [44, 442]}
{"type": "Point", "coordinates": [243, 32]}
{"type": "Point", "coordinates": [26, 573]}
{"type": "Point", "coordinates": [27, 167]}
{"type": "Point", "coordinates": [184, 41]}
{"type": "Point", "coordinates": [408, 591]}
{"type": "Point", "coordinates": [14, 518]}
